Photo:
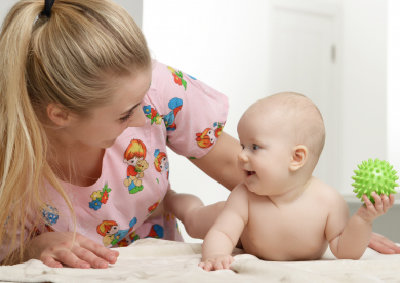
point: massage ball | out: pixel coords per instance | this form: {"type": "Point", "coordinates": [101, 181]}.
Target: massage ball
{"type": "Point", "coordinates": [374, 176]}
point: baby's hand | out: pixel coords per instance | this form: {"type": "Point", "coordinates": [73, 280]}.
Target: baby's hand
{"type": "Point", "coordinates": [370, 210]}
{"type": "Point", "coordinates": [217, 263]}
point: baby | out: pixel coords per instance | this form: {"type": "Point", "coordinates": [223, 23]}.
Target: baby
{"type": "Point", "coordinates": [280, 211]}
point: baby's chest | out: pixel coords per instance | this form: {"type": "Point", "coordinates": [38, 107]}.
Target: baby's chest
{"type": "Point", "coordinates": [290, 232]}
{"type": "Point", "coordinates": [265, 215]}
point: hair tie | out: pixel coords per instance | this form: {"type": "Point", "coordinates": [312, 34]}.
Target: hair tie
{"type": "Point", "coordinates": [47, 8]}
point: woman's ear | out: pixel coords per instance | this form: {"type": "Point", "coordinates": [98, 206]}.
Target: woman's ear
{"type": "Point", "coordinates": [58, 115]}
{"type": "Point", "coordinates": [299, 157]}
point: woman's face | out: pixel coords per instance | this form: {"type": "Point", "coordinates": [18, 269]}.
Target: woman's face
{"type": "Point", "coordinates": [106, 123]}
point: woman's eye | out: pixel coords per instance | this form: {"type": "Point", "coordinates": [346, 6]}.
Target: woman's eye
{"type": "Point", "coordinates": [255, 147]}
{"type": "Point", "coordinates": [125, 118]}
{"type": "Point", "coordinates": [242, 146]}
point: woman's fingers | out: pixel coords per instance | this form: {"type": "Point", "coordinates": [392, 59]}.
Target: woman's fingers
{"type": "Point", "coordinates": [60, 249]}
{"type": "Point", "coordinates": [69, 258]}
{"type": "Point", "coordinates": [87, 256]}
{"type": "Point", "coordinates": [381, 248]}
{"type": "Point", "coordinates": [51, 262]}
{"type": "Point", "coordinates": [100, 251]}
{"type": "Point", "coordinates": [383, 245]}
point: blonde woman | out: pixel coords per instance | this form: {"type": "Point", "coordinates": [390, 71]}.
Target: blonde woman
{"type": "Point", "coordinates": [78, 90]}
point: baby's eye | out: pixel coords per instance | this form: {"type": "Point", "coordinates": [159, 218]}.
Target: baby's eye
{"type": "Point", "coordinates": [255, 147]}
{"type": "Point", "coordinates": [242, 146]}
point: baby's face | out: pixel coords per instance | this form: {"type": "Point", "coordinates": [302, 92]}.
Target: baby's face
{"type": "Point", "coordinates": [266, 143]}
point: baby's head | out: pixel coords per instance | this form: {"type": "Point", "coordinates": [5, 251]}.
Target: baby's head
{"type": "Point", "coordinates": [282, 136]}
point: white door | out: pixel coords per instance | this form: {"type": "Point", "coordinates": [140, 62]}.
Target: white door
{"type": "Point", "coordinates": [303, 59]}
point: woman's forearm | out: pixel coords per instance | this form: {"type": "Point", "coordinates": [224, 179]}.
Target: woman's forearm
{"type": "Point", "coordinates": [221, 162]}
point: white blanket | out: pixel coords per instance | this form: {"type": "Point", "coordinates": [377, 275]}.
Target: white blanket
{"type": "Point", "coordinates": [152, 260]}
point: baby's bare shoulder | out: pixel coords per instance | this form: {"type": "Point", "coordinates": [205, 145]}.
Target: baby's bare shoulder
{"type": "Point", "coordinates": [325, 193]}
{"type": "Point", "coordinates": [238, 196]}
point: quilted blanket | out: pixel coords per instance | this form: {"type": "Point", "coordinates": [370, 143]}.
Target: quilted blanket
{"type": "Point", "coordinates": [154, 260]}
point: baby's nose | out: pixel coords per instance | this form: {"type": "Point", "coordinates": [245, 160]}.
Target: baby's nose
{"type": "Point", "coordinates": [242, 157]}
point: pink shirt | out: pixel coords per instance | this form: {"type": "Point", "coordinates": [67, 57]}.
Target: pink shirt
{"type": "Point", "coordinates": [184, 114]}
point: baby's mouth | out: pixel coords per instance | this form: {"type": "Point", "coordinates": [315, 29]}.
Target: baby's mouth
{"type": "Point", "coordinates": [249, 173]}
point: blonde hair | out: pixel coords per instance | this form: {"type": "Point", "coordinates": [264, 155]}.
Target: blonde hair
{"type": "Point", "coordinates": [66, 59]}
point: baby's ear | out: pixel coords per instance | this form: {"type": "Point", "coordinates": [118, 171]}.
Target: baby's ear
{"type": "Point", "coordinates": [299, 157]}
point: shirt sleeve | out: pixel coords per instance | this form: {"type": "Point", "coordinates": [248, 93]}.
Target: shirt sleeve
{"type": "Point", "coordinates": [193, 113]}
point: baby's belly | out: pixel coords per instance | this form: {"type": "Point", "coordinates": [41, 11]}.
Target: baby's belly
{"type": "Point", "coordinates": [284, 245]}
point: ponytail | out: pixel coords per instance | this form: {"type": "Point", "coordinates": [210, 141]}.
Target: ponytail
{"type": "Point", "coordinates": [23, 142]}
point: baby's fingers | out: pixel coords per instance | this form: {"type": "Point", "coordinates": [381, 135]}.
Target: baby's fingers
{"type": "Point", "coordinates": [223, 262]}
{"type": "Point", "coordinates": [388, 202]}
{"type": "Point", "coordinates": [226, 263]}
{"type": "Point", "coordinates": [206, 265]}
{"type": "Point", "coordinates": [391, 198]}
{"type": "Point", "coordinates": [377, 207]}
{"type": "Point", "coordinates": [368, 204]}
{"type": "Point", "coordinates": [218, 265]}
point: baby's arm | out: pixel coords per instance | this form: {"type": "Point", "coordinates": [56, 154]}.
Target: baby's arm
{"type": "Point", "coordinates": [225, 233]}
{"type": "Point", "coordinates": [354, 238]}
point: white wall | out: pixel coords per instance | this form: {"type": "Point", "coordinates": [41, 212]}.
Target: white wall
{"type": "Point", "coordinates": [393, 76]}
{"type": "Point", "coordinates": [5, 7]}
{"type": "Point", "coordinates": [364, 84]}
{"type": "Point", "coordinates": [135, 9]}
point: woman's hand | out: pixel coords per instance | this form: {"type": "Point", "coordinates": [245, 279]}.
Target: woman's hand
{"type": "Point", "coordinates": [383, 245]}
{"type": "Point", "coordinates": [57, 249]}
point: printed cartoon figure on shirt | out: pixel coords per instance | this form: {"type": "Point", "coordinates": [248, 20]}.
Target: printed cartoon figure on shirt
{"type": "Point", "coordinates": [156, 231]}
{"type": "Point", "coordinates": [50, 215]}
{"type": "Point", "coordinates": [152, 207]}
{"type": "Point", "coordinates": [178, 77]}
{"type": "Point", "coordinates": [161, 162]}
{"type": "Point", "coordinates": [134, 156]}
{"type": "Point", "coordinates": [111, 233]}
{"type": "Point", "coordinates": [175, 104]}
{"type": "Point", "coordinates": [98, 198]}
{"type": "Point", "coordinates": [208, 136]}
{"type": "Point", "coordinates": [152, 114]}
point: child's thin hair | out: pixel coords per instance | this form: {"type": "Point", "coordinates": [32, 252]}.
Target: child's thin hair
{"type": "Point", "coordinates": [312, 126]}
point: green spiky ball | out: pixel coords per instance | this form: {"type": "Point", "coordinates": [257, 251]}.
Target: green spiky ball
{"type": "Point", "coordinates": [374, 176]}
